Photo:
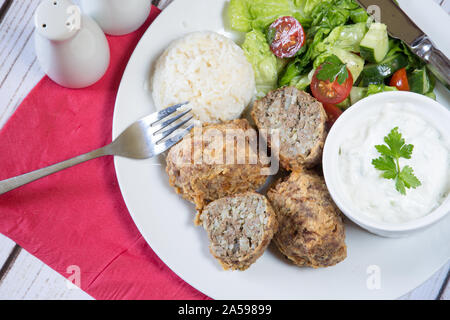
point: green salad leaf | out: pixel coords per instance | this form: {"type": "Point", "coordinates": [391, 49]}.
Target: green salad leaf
{"type": "Point", "coordinates": [328, 15]}
{"type": "Point", "coordinates": [296, 69]}
{"type": "Point", "coordinates": [347, 4]}
{"type": "Point", "coordinates": [346, 37]}
{"type": "Point", "coordinates": [264, 62]}
{"type": "Point", "coordinates": [332, 28]}
{"type": "Point", "coordinates": [309, 5]}
{"type": "Point", "coordinates": [246, 15]}
{"type": "Point", "coordinates": [264, 12]}
{"type": "Point", "coordinates": [359, 15]}
{"type": "Point", "coordinates": [240, 19]}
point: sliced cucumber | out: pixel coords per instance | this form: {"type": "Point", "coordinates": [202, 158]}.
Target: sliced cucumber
{"type": "Point", "coordinates": [354, 62]}
{"type": "Point", "coordinates": [375, 44]}
{"type": "Point", "coordinates": [357, 94]}
{"type": "Point", "coordinates": [431, 95]}
{"type": "Point", "coordinates": [376, 73]}
{"type": "Point", "coordinates": [373, 74]}
{"type": "Point", "coordinates": [419, 81]}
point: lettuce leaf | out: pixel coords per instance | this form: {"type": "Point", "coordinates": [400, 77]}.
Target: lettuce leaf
{"type": "Point", "coordinates": [346, 37]}
{"type": "Point", "coordinates": [347, 4]}
{"type": "Point", "coordinates": [299, 66]}
{"type": "Point", "coordinates": [264, 62]}
{"type": "Point", "coordinates": [359, 15]}
{"type": "Point", "coordinates": [240, 19]}
{"type": "Point", "coordinates": [308, 5]}
{"type": "Point", "coordinates": [246, 15]}
{"type": "Point", "coordinates": [303, 61]}
{"type": "Point", "coordinates": [264, 12]}
{"type": "Point", "coordinates": [328, 16]}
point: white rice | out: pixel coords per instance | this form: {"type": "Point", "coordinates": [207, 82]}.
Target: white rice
{"type": "Point", "coordinates": [210, 71]}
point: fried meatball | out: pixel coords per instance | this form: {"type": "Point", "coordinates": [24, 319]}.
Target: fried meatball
{"type": "Point", "coordinates": [311, 230]}
{"type": "Point", "coordinates": [210, 163]}
{"type": "Point", "coordinates": [239, 229]}
{"type": "Point", "coordinates": [301, 121]}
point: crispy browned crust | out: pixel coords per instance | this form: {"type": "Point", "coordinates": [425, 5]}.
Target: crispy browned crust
{"type": "Point", "coordinates": [301, 121]}
{"type": "Point", "coordinates": [197, 177]}
{"type": "Point", "coordinates": [269, 226]}
{"type": "Point", "coordinates": [311, 230]}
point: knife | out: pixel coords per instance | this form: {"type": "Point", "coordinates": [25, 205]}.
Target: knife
{"type": "Point", "coordinates": [400, 26]}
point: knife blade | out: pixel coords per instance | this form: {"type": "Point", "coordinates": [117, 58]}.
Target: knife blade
{"type": "Point", "coordinates": [400, 26]}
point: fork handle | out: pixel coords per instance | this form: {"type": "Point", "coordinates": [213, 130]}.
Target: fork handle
{"type": "Point", "coordinates": [13, 183]}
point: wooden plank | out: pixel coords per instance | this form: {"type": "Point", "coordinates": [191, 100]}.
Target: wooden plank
{"type": "Point", "coordinates": [6, 246]}
{"type": "Point", "coordinates": [30, 279]}
{"type": "Point", "coordinates": [4, 7]}
{"type": "Point", "coordinates": [19, 70]}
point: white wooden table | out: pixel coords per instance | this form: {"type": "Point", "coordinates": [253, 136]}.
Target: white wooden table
{"type": "Point", "coordinates": [22, 276]}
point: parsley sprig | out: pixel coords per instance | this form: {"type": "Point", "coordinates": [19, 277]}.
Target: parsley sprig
{"type": "Point", "coordinates": [394, 149]}
{"type": "Point", "coordinates": [333, 69]}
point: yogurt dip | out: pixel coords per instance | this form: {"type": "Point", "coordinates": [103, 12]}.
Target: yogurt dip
{"type": "Point", "coordinates": [377, 197]}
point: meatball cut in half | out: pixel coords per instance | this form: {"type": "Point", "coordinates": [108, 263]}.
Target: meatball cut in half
{"type": "Point", "coordinates": [301, 123]}
{"type": "Point", "coordinates": [311, 230]}
{"type": "Point", "coordinates": [215, 161]}
{"type": "Point", "coordinates": [239, 229]}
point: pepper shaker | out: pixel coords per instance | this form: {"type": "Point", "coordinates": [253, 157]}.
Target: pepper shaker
{"type": "Point", "coordinates": [70, 46]}
{"type": "Point", "coordinates": [117, 17]}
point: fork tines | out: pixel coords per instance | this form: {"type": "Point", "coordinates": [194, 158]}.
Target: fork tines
{"type": "Point", "coordinates": [158, 116]}
{"type": "Point", "coordinates": [173, 122]}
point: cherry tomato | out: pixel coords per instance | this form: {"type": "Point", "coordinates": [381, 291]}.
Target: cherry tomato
{"type": "Point", "coordinates": [331, 92]}
{"type": "Point", "coordinates": [333, 113]}
{"type": "Point", "coordinates": [287, 36]}
{"type": "Point", "coordinates": [400, 80]}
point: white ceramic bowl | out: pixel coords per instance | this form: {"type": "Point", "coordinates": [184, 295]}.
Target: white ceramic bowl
{"type": "Point", "coordinates": [430, 110]}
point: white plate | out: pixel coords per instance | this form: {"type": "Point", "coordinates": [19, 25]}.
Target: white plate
{"type": "Point", "coordinates": [166, 221]}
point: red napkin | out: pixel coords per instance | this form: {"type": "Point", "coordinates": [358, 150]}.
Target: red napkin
{"type": "Point", "coordinates": [76, 219]}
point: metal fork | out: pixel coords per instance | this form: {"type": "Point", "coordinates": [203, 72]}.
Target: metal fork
{"type": "Point", "coordinates": [144, 139]}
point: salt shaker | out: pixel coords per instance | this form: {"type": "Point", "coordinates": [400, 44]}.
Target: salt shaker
{"type": "Point", "coordinates": [117, 17]}
{"type": "Point", "coordinates": [70, 46]}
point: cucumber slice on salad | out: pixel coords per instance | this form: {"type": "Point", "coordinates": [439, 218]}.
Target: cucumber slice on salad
{"type": "Point", "coordinates": [375, 44]}
{"type": "Point", "coordinates": [357, 94]}
{"type": "Point", "coordinates": [354, 62]}
{"type": "Point", "coordinates": [419, 81]}
{"type": "Point", "coordinates": [376, 73]}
